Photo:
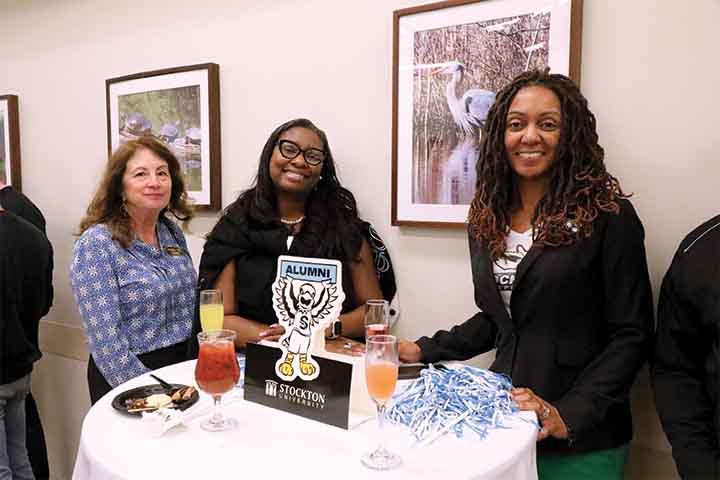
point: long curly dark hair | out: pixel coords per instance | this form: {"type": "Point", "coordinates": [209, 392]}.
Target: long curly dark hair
{"type": "Point", "coordinates": [579, 187]}
{"type": "Point", "coordinates": [330, 210]}
{"type": "Point", "coordinates": [107, 203]}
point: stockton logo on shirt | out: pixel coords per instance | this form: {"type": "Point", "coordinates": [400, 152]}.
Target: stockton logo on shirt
{"type": "Point", "coordinates": [506, 267]}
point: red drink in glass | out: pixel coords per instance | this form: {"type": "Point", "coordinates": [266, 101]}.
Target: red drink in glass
{"type": "Point", "coordinates": [217, 370]}
{"type": "Point", "coordinates": [376, 329]}
{"type": "Point", "coordinates": [377, 318]}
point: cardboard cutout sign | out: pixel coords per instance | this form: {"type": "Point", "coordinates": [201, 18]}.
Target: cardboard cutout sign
{"type": "Point", "coordinates": [307, 296]}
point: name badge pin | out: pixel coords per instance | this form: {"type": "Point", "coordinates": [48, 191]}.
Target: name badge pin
{"type": "Point", "coordinates": [174, 251]}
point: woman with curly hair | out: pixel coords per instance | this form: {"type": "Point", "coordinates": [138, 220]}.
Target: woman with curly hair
{"type": "Point", "coordinates": [295, 207]}
{"type": "Point", "coordinates": [560, 275]}
{"type": "Point", "coordinates": [131, 273]}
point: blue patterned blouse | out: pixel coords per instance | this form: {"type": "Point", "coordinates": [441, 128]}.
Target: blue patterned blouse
{"type": "Point", "coordinates": [133, 300]}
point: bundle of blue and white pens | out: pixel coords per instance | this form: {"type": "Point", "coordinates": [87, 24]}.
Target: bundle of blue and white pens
{"type": "Point", "coordinates": [453, 398]}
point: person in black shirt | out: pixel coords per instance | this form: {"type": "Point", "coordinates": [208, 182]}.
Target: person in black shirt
{"type": "Point", "coordinates": [561, 280]}
{"type": "Point", "coordinates": [686, 360]}
{"type": "Point", "coordinates": [19, 204]}
{"type": "Point", "coordinates": [25, 297]}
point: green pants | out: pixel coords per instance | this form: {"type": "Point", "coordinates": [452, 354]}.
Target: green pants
{"type": "Point", "coordinates": [600, 465]}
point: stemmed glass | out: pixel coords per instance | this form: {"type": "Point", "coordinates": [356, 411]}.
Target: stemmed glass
{"type": "Point", "coordinates": [381, 373]}
{"type": "Point", "coordinates": [377, 318]}
{"type": "Point", "coordinates": [216, 373]}
{"type": "Point", "coordinates": [211, 310]}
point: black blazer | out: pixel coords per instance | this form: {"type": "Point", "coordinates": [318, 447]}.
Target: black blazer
{"type": "Point", "coordinates": [580, 330]}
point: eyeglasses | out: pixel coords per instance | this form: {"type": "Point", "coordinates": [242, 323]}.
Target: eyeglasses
{"type": "Point", "coordinates": [290, 150]}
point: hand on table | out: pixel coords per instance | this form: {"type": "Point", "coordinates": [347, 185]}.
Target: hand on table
{"type": "Point", "coordinates": [342, 345]}
{"type": "Point", "coordinates": [409, 352]}
{"type": "Point", "coordinates": [548, 416]}
{"type": "Point", "coordinates": [273, 332]}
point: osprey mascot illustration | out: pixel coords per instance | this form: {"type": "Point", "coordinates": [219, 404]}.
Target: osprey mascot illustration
{"type": "Point", "coordinates": [307, 295]}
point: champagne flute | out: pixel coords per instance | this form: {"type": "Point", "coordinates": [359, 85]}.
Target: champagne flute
{"type": "Point", "coordinates": [381, 373]}
{"type": "Point", "coordinates": [377, 318]}
{"type": "Point", "coordinates": [211, 310]}
{"type": "Point", "coordinates": [216, 373]}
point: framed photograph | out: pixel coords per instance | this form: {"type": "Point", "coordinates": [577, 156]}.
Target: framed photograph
{"type": "Point", "coordinates": [181, 107]}
{"type": "Point", "coordinates": [449, 60]}
{"type": "Point", "coordinates": [9, 141]}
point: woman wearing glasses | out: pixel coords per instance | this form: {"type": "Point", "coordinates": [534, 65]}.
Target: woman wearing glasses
{"type": "Point", "coordinates": [295, 207]}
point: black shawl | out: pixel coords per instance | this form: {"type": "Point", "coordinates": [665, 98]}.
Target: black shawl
{"type": "Point", "coordinates": [255, 248]}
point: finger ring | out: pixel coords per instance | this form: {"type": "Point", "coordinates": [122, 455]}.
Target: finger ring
{"type": "Point", "coordinates": [545, 413]}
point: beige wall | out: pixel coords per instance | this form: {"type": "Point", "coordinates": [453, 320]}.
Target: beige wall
{"type": "Point", "coordinates": [650, 72]}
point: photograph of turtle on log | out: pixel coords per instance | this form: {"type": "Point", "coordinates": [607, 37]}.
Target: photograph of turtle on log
{"type": "Point", "coordinates": [180, 107]}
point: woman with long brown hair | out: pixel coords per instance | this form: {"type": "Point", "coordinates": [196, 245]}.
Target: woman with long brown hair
{"type": "Point", "coordinates": [560, 277]}
{"type": "Point", "coordinates": [132, 274]}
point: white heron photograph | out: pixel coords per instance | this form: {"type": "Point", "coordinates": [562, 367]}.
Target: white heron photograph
{"type": "Point", "coordinates": [452, 60]}
{"type": "Point", "coordinates": [458, 70]}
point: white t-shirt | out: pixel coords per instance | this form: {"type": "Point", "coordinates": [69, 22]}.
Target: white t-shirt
{"type": "Point", "coordinates": [505, 267]}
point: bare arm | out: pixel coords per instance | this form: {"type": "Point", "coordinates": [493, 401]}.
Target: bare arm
{"type": "Point", "coordinates": [248, 331]}
{"type": "Point", "coordinates": [366, 285]}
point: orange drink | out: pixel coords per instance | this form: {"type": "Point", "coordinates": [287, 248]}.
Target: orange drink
{"type": "Point", "coordinates": [381, 373]}
{"type": "Point", "coordinates": [211, 310]}
{"type": "Point", "coordinates": [381, 379]}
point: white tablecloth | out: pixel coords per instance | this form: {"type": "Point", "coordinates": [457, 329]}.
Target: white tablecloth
{"type": "Point", "coordinates": [274, 444]}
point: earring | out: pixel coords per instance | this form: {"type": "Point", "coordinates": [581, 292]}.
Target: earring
{"type": "Point", "coordinates": [123, 207]}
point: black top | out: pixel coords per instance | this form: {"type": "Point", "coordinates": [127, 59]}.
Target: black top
{"type": "Point", "coordinates": [26, 293]}
{"type": "Point", "coordinates": [580, 329]}
{"type": "Point", "coordinates": [20, 205]}
{"type": "Point", "coordinates": [686, 361]}
{"type": "Point", "coordinates": [255, 249]}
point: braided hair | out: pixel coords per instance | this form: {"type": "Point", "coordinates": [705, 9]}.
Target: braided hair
{"type": "Point", "coordinates": [579, 186]}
